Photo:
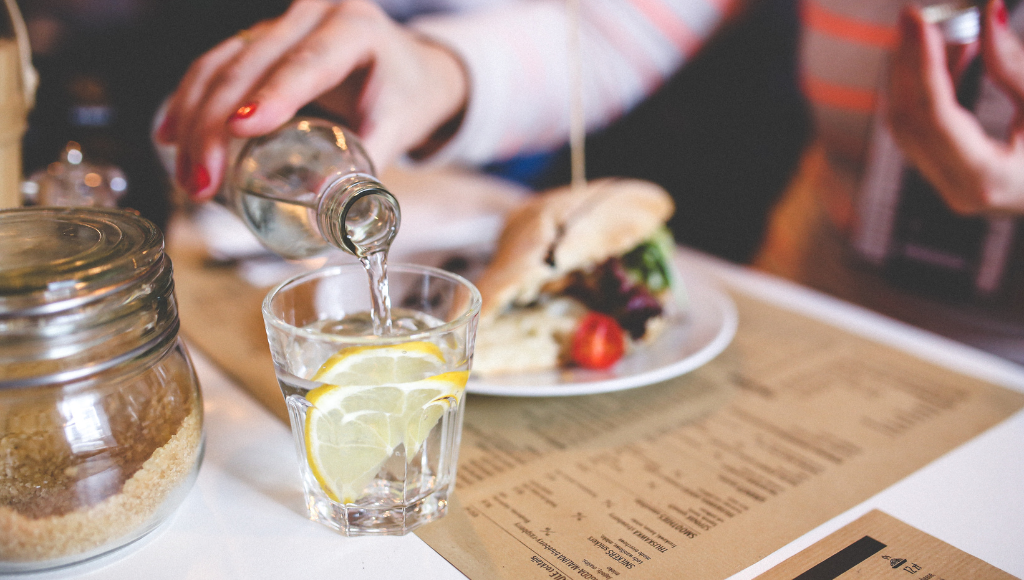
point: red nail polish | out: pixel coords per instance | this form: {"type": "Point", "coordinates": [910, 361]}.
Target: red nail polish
{"type": "Point", "coordinates": [199, 179]}
{"type": "Point", "coordinates": [245, 111]}
{"type": "Point", "coordinates": [165, 132]}
{"type": "Point", "coordinates": [1002, 16]}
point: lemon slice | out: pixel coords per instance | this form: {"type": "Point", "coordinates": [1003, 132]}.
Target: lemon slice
{"type": "Point", "coordinates": [380, 365]}
{"type": "Point", "coordinates": [425, 405]}
{"type": "Point", "coordinates": [351, 431]}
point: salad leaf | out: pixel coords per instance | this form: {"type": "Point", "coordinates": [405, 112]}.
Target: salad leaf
{"type": "Point", "coordinates": [650, 263]}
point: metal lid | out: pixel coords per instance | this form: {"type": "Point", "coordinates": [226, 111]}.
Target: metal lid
{"type": "Point", "coordinates": [51, 255]}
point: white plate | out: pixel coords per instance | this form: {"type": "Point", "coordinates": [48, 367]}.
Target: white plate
{"type": "Point", "coordinates": [687, 343]}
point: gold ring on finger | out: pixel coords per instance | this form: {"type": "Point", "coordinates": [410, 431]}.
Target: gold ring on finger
{"type": "Point", "coordinates": [246, 36]}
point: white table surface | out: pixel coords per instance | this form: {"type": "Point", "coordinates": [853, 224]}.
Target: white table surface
{"type": "Point", "coordinates": [244, 518]}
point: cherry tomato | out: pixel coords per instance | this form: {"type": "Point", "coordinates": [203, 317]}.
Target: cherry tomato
{"type": "Point", "coordinates": [598, 342]}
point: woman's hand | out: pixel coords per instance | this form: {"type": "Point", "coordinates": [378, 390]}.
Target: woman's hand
{"type": "Point", "coordinates": [395, 88]}
{"type": "Point", "coordinates": [973, 172]}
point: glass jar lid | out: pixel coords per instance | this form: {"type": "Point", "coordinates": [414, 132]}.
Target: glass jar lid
{"type": "Point", "coordinates": [82, 291]}
{"type": "Point", "coordinates": [51, 255]}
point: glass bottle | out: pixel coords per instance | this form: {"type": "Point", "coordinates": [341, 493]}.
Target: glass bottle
{"type": "Point", "coordinates": [310, 185]}
{"type": "Point", "coordinates": [904, 227]}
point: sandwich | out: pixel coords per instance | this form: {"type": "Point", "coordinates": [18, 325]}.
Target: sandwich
{"type": "Point", "coordinates": [579, 278]}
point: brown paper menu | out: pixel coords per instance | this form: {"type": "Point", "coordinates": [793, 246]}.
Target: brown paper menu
{"type": "Point", "coordinates": [878, 545]}
{"type": "Point", "coordinates": [704, 475]}
{"type": "Point", "coordinates": [697, 477]}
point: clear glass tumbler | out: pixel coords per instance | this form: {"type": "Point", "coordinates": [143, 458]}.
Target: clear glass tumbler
{"type": "Point", "coordinates": [376, 419]}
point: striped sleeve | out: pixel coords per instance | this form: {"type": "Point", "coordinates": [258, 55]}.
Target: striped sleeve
{"type": "Point", "coordinates": [517, 54]}
{"type": "Point", "coordinates": [843, 55]}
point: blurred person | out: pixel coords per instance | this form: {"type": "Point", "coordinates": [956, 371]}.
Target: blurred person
{"type": "Point", "coordinates": [946, 252]}
{"type": "Point", "coordinates": [496, 71]}
{"type": "Point", "coordinates": [486, 84]}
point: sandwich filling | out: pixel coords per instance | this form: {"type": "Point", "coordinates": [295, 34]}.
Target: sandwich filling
{"type": "Point", "coordinates": [578, 279]}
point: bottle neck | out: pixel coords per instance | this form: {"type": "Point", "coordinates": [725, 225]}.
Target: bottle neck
{"type": "Point", "coordinates": [357, 214]}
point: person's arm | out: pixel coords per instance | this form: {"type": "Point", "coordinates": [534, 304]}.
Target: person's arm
{"type": "Point", "coordinates": [518, 60]}
{"type": "Point", "coordinates": [973, 172]}
{"type": "Point", "coordinates": [497, 78]}
{"type": "Point", "coordinates": [389, 83]}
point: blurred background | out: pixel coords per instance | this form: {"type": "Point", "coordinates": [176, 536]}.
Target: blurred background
{"type": "Point", "coordinates": [104, 68]}
{"type": "Point", "coordinates": [723, 136]}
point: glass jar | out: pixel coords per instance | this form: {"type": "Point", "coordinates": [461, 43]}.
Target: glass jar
{"type": "Point", "coordinates": [74, 181]}
{"type": "Point", "coordinates": [101, 418]}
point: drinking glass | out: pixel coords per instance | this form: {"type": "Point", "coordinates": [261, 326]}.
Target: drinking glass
{"type": "Point", "coordinates": [376, 419]}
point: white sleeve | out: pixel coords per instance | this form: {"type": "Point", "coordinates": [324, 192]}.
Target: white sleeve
{"type": "Point", "coordinates": [517, 55]}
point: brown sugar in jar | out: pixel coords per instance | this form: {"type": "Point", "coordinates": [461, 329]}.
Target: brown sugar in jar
{"type": "Point", "coordinates": [100, 412]}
